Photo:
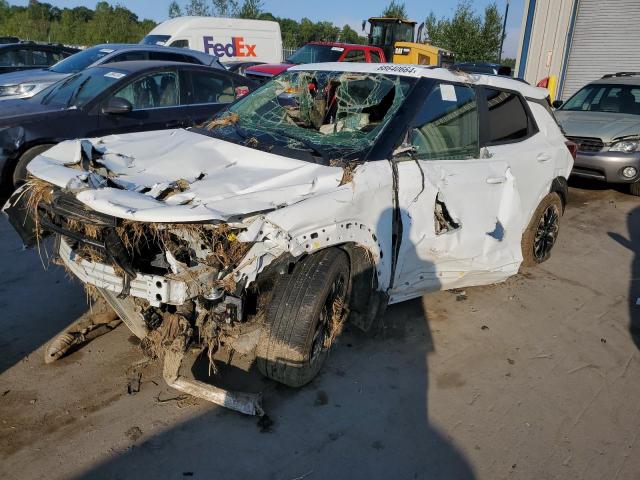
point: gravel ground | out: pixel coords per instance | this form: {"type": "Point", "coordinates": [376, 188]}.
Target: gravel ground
{"type": "Point", "coordinates": [538, 377]}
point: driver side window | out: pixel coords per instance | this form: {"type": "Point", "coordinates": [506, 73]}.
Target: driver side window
{"type": "Point", "coordinates": [447, 125]}
{"type": "Point", "coordinates": [157, 90]}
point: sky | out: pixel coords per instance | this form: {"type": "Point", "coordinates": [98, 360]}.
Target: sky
{"type": "Point", "coordinates": [340, 12]}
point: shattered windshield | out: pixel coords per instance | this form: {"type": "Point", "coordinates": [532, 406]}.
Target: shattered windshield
{"type": "Point", "coordinates": [328, 114]}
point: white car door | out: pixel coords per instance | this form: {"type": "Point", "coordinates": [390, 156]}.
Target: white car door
{"type": "Point", "coordinates": [460, 211]}
{"type": "Point", "coordinates": [513, 135]}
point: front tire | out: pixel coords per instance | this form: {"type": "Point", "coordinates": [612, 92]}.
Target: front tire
{"type": "Point", "coordinates": [541, 234]}
{"type": "Point", "coordinates": [306, 310]}
{"type": "Point", "coordinates": [634, 189]}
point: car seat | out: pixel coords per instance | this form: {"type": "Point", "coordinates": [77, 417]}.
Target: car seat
{"type": "Point", "coordinates": [168, 91]}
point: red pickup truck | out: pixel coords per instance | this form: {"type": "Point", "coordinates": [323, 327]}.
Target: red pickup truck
{"type": "Point", "coordinates": [318, 52]}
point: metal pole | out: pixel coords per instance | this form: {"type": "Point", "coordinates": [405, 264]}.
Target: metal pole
{"type": "Point", "coordinates": [504, 29]}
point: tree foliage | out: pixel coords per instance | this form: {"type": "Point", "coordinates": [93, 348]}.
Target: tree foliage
{"type": "Point", "coordinates": [294, 33]}
{"type": "Point", "coordinates": [467, 34]}
{"type": "Point", "coordinates": [395, 10]}
{"type": "Point", "coordinates": [78, 26]}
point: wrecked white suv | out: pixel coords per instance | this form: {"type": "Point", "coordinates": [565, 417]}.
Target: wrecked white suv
{"type": "Point", "coordinates": [330, 192]}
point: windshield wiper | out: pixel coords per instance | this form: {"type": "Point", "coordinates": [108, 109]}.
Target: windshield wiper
{"type": "Point", "coordinates": [77, 92]}
{"type": "Point", "coordinates": [319, 152]}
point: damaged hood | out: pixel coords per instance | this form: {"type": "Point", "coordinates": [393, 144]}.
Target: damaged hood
{"type": "Point", "coordinates": [179, 176]}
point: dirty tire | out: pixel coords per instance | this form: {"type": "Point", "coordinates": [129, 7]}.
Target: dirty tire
{"type": "Point", "coordinates": [634, 189]}
{"type": "Point", "coordinates": [541, 234]}
{"type": "Point", "coordinates": [20, 172]}
{"type": "Point", "coordinates": [295, 341]}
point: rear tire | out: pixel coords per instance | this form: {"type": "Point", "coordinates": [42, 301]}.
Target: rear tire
{"type": "Point", "coordinates": [634, 189]}
{"type": "Point", "coordinates": [541, 234]}
{"type": "Point", "coordinates": [20, 172]}
{"type": "Point", "coordinates": [306, 310]}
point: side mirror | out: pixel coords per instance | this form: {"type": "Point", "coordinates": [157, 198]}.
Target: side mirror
{"type": "Point", "coordinates": [557, 103]}
{"type": "Point", "coordinates": [117, 106]}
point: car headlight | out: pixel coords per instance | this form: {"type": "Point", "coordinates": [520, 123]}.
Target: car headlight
{"type": "Point", "coordinates": [25, 89]}
{"type": "Point", "coordinates": [626, 146]}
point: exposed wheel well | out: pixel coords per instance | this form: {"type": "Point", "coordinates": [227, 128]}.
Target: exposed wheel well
{"type": "Point", "coordinates": [561, 187]}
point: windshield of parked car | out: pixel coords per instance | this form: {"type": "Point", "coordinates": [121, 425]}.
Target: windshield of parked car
{"type": "Point", "coordinates": [613, 98]}
{"type": "Point", "coordinates": [155, 40]}
{"type": "Point", "coordinates": [79, 89]}
{"type": "Point", "coordinates": [333, 115]}
{"type": "Point", "coordinates": [81, 60]}
{"type": "Point", "coordinates": [316, 54]}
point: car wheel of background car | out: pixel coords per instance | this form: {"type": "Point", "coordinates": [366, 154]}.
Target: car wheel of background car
{"type": "Point", "coordinates": [304, 316]}
{"type": "Point", "coordinates": [541, 234]}
{"type": "Point", "coordinates": [634, 189]}
{"type": "Point", "coordinates": [20, 172]}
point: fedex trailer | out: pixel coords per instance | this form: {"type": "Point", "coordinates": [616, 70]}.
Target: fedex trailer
{"type": "Point", "coordinates": [230, 39]}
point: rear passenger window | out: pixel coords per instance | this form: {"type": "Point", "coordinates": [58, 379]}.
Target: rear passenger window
{"type": "Point", "coordinates": [172, 57]}
{"type": "Point", "coordinates": [129, 57]}
{"type": "Point", "coordinates": [507, 118]}
{"type": "Point", "coordinates": [375, 57]}
{"type": "Point", "coordinates": [180, 44]}
{"type": "Point", "coordinates": [40, 58]}
{"type": "Point", "coordinates": [208, 88]}
{"type": "Point", "coordinates": [355, 56]}
{"type": "Point", "coordinates": [447, 125]}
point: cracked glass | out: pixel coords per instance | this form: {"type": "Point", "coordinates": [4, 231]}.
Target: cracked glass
{"type": "Point", "coordinates": [328, 114]}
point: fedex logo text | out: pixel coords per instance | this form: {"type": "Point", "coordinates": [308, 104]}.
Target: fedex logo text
{"type": "Point", "coordinates": [237, 48]}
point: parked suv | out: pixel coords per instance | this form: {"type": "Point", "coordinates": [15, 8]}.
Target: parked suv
{"type": "Point", "coordinates": [27, 84]}
{"type": "Point", "coordinates": [29, 56]}
{"type": "Point", "coordinates": [318, 52]}
{"type": "Point", "coordinates": [333, 190]}
{"type": "Point", "coordinates": [603, 119]}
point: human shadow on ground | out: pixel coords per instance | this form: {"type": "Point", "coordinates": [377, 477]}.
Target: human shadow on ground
{"type": "Point", "coordinates": [633, 244]}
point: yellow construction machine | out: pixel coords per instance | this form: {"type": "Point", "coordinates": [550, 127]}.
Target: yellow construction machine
{"type": "Point", "coordinates": [401, 43]}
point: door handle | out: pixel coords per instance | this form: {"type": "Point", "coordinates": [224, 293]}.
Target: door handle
{"type": "Point", "coordinates": [543, 157]}
{"type": "Point", "coordinates": [496, 180]}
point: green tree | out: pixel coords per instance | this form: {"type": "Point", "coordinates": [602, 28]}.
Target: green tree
{"type": "Point", "coordinates": [198, 8]}
{"type": "Point", "coordinates": [395, 10]}
{"type": "Point", "coordinates": [349, 35]}
{"type": "Point", "coordinates": [251, 9]}
{"type": "Point", "coordinates": [467, 34]}
{"type": "Point", "coordinates": [225, 8]}
{"type": "Point", "coordinates": [174, 10]}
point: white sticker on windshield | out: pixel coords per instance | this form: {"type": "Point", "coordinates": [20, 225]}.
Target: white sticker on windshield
{"type": "Point", "coordinates": [448, 93]}
{"type": "Point", "coordinates": [337, 49]}
{"type": "Point", "coordinates": [106, 50]}
{"type": "Point", "coordinates": [161, 43]}
{"type": "Point", "coordinates": [116, 75]}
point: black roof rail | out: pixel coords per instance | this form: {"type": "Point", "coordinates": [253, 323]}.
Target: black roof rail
{"type": "Point", "coordinates": [620, 74]}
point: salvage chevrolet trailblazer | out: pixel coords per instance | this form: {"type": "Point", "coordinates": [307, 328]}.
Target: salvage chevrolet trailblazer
{"type": "Point", "coordinates": [326, 194]}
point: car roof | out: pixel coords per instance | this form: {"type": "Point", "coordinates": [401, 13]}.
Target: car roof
{"type": "Point", "coordinates": [34, 45]}
{"type": "Point", "coordinates": [341, 44]}
{"type": "Point", "coordinates": [134, 66]}
{"type": "Point", "coordinates": [154, 48]}
{"type": "Point", "coordinates": [424, 71]}
{"type": "Point", "coordinates": [630, 79]}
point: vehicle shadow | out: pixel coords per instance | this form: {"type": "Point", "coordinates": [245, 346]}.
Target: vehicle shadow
{"type": "Point", "coordinates": [633, 244]}
{"type": "Point", "coordinates": [36, 298]}
{"type": "Point", "coordinates": [366, 416]}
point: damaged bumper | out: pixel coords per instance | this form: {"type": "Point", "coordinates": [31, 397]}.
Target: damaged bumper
{"type": "Point", "coordinates": [153, 288]}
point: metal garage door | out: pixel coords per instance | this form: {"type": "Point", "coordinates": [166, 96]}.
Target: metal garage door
{"type": "Point", "coordinates": [606, 39]}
